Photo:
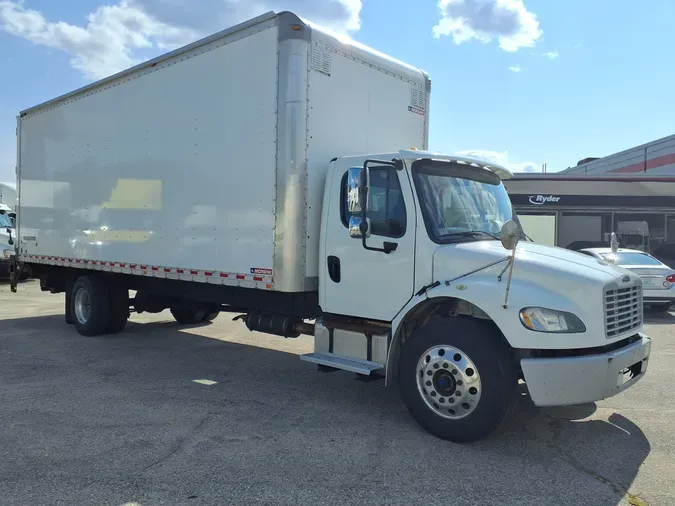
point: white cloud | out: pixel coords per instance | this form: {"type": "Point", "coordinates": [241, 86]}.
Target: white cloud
{"type": "Point", "coordinates": [551, 55]}
{"type": "Point", "coordinates": [516, 68]}
{"type": "Point", "coordinates": [507, 20]}
{"type": "Point", "coordinates": [212, 15]}
{"type": "Point", "coordinates": [114, 34]}
{"type": "Point", "coordinates": [105, 45]}
{"type": "Point", "coordinates": [502, 158]}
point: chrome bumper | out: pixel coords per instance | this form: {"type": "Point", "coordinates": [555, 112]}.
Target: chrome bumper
{"type": "Point", "coordinates": [584, 379]}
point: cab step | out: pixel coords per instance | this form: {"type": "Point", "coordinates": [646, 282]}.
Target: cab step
{"type": "Point", "coordinates": [344, 363]}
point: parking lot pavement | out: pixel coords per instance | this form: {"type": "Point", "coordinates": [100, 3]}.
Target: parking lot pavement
{"type": "Point", "coordinates": [121, 420]}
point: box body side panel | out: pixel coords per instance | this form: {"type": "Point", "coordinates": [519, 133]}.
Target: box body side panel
{"type": "Point", "coordinates": [173, 167]}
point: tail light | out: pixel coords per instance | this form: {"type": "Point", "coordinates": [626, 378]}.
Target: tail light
{"type": "Point", "coordinates": [671, 278]}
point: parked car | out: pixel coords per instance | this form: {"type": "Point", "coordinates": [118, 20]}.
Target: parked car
{"type": "Point", "coordinates": [658, 279]}
{"type": "Point", "coordinates": [665, 252]}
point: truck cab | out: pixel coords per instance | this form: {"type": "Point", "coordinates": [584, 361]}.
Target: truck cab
{"type": "Point", "coordinates": [7, 239]}
{"type": "Point", "coordinates": [422, 254]}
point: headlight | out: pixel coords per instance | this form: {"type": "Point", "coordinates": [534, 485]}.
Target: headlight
{"type": "Point", "coordinates": [541, 319]}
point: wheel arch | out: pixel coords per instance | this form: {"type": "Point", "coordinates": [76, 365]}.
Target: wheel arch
{"type": "Point", "coordinates": [424, 311]}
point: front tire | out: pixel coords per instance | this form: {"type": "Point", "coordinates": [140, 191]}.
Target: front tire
{"type": "Point", "coordinates": [457, 378]}
{"type": "Point", "coordinates": [90, 305]}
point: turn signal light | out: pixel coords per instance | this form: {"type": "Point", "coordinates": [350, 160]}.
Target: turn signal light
{"type": "Point", "coordinates": [671, 278]}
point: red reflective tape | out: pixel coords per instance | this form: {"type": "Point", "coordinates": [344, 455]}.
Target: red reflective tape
{"type": "Point", "coordinates": [241, 276]}
{"type": "Point", "coordinates": [123, 265]}
{"type": "Point", "coordinates": [224, 275]}
{"type": "Point", "coordinates": [208, 274]}
{"type": "Point", "coordinates": [166, 269]}
{"type": "Point", "coordinates": [194, 272]}
{"type": "Point", "coordinates": [144, 267]}
{"type": "Point", "coordinates": [257, 278]}
{"type": "Point", "coordinates": [132, 266]}
{"type": "Point", "coordinates": [180, 271]}
{"type": "Point", "coordinates": [155, 268]}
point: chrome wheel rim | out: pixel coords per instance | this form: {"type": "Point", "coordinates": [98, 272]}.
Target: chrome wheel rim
{"type": "Point", "coordinates": [448, 381]}
{"type": "Point", "coordinates": [82, 306]}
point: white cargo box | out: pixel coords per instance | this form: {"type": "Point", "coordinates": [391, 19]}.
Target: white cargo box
{"type": "Point", "coordinates": [208, 164]}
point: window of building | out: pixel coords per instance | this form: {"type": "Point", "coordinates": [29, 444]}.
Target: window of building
{"type": "Point", "coordinates": [670, 228]}
{"type": "Point", "coordinates": [540, 227]}
{"type": "Point", "coordinates": [584, 230]}
{"type": "Point", "coordinates": [640, 230]}
{"type": "Point", "coordinates": [386, 209]}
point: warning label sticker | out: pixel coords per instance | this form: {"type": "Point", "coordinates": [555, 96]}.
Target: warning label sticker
{"type": "Point", "coordinates": [416, 110]}
{"type": "Point", "coordinates": [261, 271]}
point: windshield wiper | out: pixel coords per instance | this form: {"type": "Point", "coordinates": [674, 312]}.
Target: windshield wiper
{"type": "Point", "coordinates": [472, 233]}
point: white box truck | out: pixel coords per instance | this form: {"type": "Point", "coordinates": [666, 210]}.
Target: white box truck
{"type": "Point", "coordinates": [281, 173]}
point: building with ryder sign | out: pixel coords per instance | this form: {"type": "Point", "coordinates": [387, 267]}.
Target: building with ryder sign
{"type": "Point", "coordinates": [631, 193]}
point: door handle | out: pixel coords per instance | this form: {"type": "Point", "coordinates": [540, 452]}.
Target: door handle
{"type": "Point", "coordinates": [334, 268]}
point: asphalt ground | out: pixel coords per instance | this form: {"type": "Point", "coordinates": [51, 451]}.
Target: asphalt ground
{"type": "Point", "coordinates": [129, 420]}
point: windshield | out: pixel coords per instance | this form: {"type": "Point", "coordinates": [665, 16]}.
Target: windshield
{"type": "Point", "coordinates": [622, 258]}
{"type": "Point", "coordinates": [5, 221]}
{"type": "Point", "coordinates": [461, 203]}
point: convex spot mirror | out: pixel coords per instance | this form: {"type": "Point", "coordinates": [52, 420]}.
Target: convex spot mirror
{"type": "Point", "coordinates": [510, 235]}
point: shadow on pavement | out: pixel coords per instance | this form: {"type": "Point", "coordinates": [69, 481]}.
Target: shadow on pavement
{"type": "Point", "coordinates": [657, 317]}
{"type": "Point", "coordinates": [116, 419]}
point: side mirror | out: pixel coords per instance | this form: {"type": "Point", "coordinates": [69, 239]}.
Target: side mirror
{"type": "Point", "coordinates": [357, 190]}
{"type": "Point", "coordinates": [359, 228]}
{"type": "Point", "coordinates": [510, 235]}
{"type": "Point", "coordinates": [614, 243]}
{"type": "Point", "coordinates": [357, 202]}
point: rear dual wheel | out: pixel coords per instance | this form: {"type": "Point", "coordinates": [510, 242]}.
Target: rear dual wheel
{"type": "Point", "coordinates": [457, 378]}
{"type": "Point", "coordinates": [98, 305]}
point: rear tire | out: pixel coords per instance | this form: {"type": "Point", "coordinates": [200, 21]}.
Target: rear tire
{"type": "Point", "coordinates": [188, 316]}
{"type": "Point", "coordinates": [457, 378]}
{"type": "Point", "coordinates": [90, 305]}
{"type": "Point", "coordinates": [119, 308]}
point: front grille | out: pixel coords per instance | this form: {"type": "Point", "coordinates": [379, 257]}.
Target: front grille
{"type": "Point", "coordinates": [623, 309]}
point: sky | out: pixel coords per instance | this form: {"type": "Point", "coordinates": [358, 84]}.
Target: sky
{"type": "Point", "coordinates": [519, 82]}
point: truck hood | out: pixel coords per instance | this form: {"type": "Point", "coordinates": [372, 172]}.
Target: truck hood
{"type": "Point", "coordinates": [537, 262]}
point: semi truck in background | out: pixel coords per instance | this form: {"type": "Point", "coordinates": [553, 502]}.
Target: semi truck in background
{"type": "Point", "coordinates": [8, 194]}
{"type": "Point", "coordinates": [7, 220]}
{"type": "Point", "coordinates": [310, 205]}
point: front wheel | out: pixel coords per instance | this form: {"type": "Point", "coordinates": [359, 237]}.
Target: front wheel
{"type": "Point", "coordinates": [457, 378]}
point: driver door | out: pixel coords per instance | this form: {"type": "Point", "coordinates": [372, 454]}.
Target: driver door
{"type": "Point", "coordinates": [361, 282]}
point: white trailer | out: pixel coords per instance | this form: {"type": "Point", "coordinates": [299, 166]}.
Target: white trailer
{"type": "Point", "coordinates": [269, 170]}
